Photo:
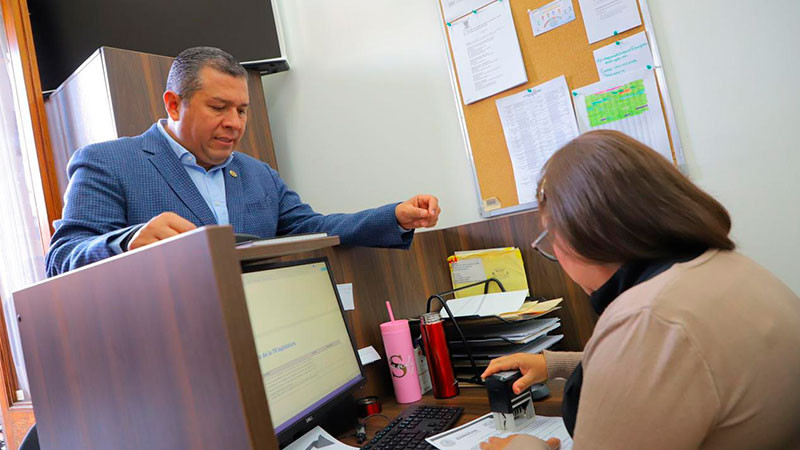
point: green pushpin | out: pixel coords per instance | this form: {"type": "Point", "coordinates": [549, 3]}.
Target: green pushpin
{"type": "Point", "coordinates": [615, 33]}
{"type": "Point", "coordinates": [574, 94]}
{"type": "Point", "coordinates": [649, 67]}
{"type": "Point", "coordinates": [449, 24]}
{"type": "Point", "coordinates": [617, 42]}
{"type": "Point", "coordinates": [474, 11]}
{"type": "Point", "coordinates": [530, 90]}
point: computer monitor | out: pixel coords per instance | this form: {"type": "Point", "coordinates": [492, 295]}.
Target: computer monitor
{"type": "Point", "coordinates": [306, 353]}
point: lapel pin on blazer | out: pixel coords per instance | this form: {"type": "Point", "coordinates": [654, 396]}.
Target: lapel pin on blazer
{"type": "Point", "coordinates": [233, 174]}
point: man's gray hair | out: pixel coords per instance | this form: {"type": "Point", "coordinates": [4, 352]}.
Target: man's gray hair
{"type": "Point", "coordinates": [184, 75]}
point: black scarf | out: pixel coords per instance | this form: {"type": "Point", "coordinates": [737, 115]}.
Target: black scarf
{"type": "Point", "coordinates": [628, 276]}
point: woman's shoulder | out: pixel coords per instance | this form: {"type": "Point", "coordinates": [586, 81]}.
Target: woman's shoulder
{"type": "Point", "coordinates": [713, 293]}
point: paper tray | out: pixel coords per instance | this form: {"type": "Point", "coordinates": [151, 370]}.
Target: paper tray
{"type": "Point", "coordinates": [475, 327]}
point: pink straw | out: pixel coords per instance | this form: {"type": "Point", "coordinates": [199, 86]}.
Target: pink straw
{"type": "Point", "coordinates": [389, 307]}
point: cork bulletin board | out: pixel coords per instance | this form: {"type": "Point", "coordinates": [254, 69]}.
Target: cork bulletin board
{"type": "Point", "coordinates": [561, 51]}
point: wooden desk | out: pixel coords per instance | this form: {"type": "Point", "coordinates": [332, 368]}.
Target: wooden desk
{"type": "Point", "coordinates": [472, 399]}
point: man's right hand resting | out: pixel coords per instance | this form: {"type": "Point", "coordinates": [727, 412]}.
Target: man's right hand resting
{"type": "Point", "coordinates": [160, 227]}
{"type": "Point", "coordinates": [533, 368]}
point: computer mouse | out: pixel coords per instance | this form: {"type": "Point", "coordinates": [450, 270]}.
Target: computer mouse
{"type": "Point", "coordinates": [539, 391]}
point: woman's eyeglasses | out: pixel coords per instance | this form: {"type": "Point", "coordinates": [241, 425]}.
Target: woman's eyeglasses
{"type": "Point", "coordinates": [544, 245]}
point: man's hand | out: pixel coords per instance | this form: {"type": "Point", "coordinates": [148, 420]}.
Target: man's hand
{"type": "Point", "coordinates": [160, 227]}
{"type": "Point", "coordinates": [419, 211]}
{"type": "Point", "coordinates": [520, 441]}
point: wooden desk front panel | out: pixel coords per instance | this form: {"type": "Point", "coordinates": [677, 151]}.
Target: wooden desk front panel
{"type": "Point", "coordinates": [151, 349]}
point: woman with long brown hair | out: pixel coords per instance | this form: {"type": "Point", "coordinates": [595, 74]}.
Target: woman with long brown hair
{"type": "Point", "coordinates": [696, 346]}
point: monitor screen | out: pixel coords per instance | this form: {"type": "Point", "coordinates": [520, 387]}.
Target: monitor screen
{"type": "Point", "coordinates": [305, 352]}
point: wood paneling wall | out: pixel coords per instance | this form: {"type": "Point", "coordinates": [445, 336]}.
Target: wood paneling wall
{"type": "Point", "coordinates": [117, 93]}
{"type": "Point", "coordinates": [408, 278]}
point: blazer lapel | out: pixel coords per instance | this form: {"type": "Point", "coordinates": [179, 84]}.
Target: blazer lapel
{"type": "Point", "coordinates": [170, 167]}
{"type": "Point", "coordinates": [233, 194]}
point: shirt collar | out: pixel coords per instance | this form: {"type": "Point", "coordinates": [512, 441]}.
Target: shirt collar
{"type": "Point", "coordinates": [185, 156]}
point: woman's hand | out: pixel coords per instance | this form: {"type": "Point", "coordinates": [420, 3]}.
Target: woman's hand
{"type": "Point", "coordinates": [533, 368]}
{"type": "Point", "coordinates": [520, 441]}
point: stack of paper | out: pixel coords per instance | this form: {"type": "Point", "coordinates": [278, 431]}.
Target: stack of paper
{"type": "Point", "coordinates": [486, 304]}
{"type": "Point", "coordinates": [535, 308]}
{"type": "Point", "coordinates": [496, 325]}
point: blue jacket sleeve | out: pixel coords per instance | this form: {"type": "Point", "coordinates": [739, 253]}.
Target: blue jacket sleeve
{"type": "Point", "coordinates": [93, 222]}
{"type": "Point", "coordinates": [375, 227]}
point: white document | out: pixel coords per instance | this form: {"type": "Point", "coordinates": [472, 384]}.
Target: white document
{"type": "Point", "coordinates": [551, 15]}
{"type": "Point", "coordinates": [486, 304]}
{"type": "Point", "coordinates": [368, 355]}
{"type": "Point", "coordinates": [629, 103]}
{"type": "Point", "coordinates": [318, 438]}
{"type": "Point", "coordinates": [604, 18]}
{"type": "Point", "coordinates": [536, 122]}
{"type": "Point", "coordinates": [468, 271]}
{"type": "Point", "coordinates": [346, 295]}
{"type": "Point", "coordinates": [624, 56]}
{"type": "Point", "coordinates": [486, 52]}
{"type": "Point", "coordinates": [453, 9]}
{"type": "Point", "coordinates": [470, 435]}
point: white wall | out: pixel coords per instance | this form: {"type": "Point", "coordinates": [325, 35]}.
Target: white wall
{"type": "Point", "coordinates": [367, 115]}
{"type": "Point", "coordinates": [733, 69]}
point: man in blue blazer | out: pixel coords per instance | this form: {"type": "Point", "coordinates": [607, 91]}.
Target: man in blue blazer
{"type": "Point", "coordinates": [183, 173]}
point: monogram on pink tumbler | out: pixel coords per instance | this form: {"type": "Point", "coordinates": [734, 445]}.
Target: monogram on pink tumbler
{"type": "Point", "coordinates": [400, 356]}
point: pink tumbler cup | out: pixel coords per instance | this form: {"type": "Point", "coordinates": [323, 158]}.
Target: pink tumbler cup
{"type": "Point", "coordinates": [402, 362]}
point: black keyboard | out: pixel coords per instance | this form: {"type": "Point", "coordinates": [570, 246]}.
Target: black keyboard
{"type": "Point", "coordinates": [410, 429]}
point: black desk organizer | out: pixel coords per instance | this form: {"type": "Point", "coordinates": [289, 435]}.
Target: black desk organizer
{"type": "Point", "coordinates": [462, 329]}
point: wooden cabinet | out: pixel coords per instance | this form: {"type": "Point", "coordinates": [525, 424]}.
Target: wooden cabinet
{"type": "Point", "coordinates": [118, 93]}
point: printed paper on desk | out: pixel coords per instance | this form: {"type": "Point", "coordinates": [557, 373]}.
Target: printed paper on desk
{"type": "Point", "coordinates": [318, 438]}
{"type": "Point", "coordinates": [486, 304]}
{"type": "Point", "coordinates": [604, 18]}
{"type": "Point", "coordinates": [470, 435]}
{"type": "Point", "coordinates": [623, 56]}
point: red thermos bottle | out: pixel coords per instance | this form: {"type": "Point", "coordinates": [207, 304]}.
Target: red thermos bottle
{"type": "Point", "coordinates": [443, 379]}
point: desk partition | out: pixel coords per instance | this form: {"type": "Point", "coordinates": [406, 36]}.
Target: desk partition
{"type": "Point", "coordinates": [151, 349]}
{"type": "Point", "coordinates": [154, 349]}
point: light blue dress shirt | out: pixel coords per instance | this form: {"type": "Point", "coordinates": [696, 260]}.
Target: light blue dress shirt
{"type": "Point", "coordinates": [210, 183]}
